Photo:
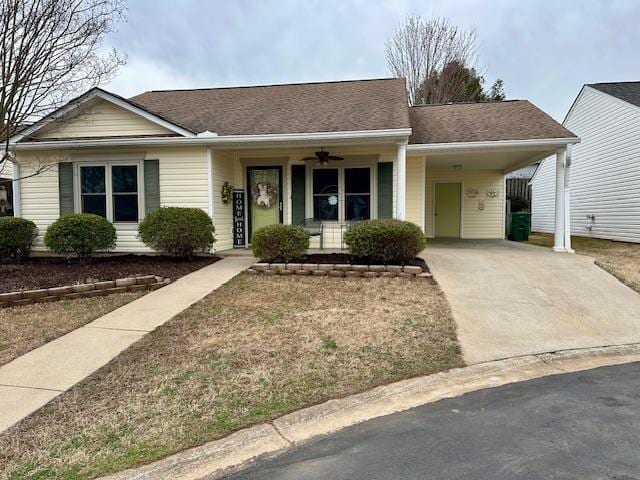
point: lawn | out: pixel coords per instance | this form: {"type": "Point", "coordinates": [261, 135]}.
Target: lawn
{"type": "Point", "coordinates": [620, 259]}
{"type": "Point", "coordinates": [253, 350]}
{"type": "Point", "coordinates": [27, 327]}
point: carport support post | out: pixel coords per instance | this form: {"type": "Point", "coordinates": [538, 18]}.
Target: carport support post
{"type": "Point", "coordinates": [567, 201]}
{"type": "Point", "coordinates": [401, 188]}
{"type": "Point", "coordinates": [559, 232]}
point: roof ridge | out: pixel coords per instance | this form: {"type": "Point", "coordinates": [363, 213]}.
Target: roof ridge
{"type": "Point", "coordinates": [271, 85]}
{"type": "Point", "coordinates": [468, 103]}
{"type": "Point", "coordinates": [613, 83]}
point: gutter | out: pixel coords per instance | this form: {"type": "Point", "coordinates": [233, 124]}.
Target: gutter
{"type": "Point", "coordinates": [226, 140]}
{"type": "Point", "coordinates": [492, 145]}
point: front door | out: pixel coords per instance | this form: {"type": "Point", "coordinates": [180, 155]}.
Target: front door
{"type": "Point", "coordinates": [264, 186]}
{"type": "Point", "coordinates": [447, 209]}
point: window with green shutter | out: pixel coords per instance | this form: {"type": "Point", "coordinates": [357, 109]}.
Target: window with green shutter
{"type": "Point", "coordinates": [151, 185]}
{"type": "Point", "coordinates": [385, 190]}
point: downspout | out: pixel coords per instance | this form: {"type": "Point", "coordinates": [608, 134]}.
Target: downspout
{"type": "Point", "coordinates": [17, 207]}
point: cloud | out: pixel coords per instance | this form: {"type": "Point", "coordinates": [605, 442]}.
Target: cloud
{"type": "Point", "coordinates": [544, 50]}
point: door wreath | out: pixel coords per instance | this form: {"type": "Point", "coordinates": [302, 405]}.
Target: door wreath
{"type": "Point", "coordinates": [264, 194]}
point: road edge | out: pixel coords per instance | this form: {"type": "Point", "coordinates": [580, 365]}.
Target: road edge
{"type": "Point", "coordinates": [222, 457]}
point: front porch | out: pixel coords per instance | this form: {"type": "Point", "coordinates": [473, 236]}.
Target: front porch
{"type": "Point", "coordinates": [450, 191]}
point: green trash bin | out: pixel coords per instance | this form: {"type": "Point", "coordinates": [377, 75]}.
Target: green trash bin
{"type": "Point", "coordinates": [520, 227]}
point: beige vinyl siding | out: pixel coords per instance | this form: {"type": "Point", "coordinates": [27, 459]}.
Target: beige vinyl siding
{"type": "Point", "coordinates": [38, 194]}
{"type": "Point", "coordinates": [476, 223]}
{"type": "Point", "coordinates": [223, 170]}
{"type": "Point", "coordinates": [415, 191]}
{"type": "Point", "coordinates": [183, 183]}
{"type": "Point", "coordinates": [100, 120]}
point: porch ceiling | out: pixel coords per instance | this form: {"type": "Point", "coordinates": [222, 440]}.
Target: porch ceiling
{"type": "Point", "coordinates": [506, 159]}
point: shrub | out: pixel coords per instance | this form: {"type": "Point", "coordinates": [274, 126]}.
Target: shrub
{"type": "Point", "coordinates": [280, 243]}
{"type": "Point", "coordinates": [80, 234]}
{"type": "Point", "coordinates": [177, 231]}
{"type": "Point", "coordinates": [385, 241]}
{"type": "Point", "coordinates": [16, 238]}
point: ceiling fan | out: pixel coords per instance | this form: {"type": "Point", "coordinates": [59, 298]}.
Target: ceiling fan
{"type": "Point", "coordinates": [323, 157]}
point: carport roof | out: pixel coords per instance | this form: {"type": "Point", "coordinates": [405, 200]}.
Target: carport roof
{"type": "Point", "coordinates": [482, 122]}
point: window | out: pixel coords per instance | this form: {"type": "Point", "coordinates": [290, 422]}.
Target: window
{"type": "Point", "coordinates": [110, 191]}
{"type": "Point", "coordinates": [125, 193]}
{"type": "Point", "coordinates": [93, 190]}
{"type": "Point", "coordinates": [357, 194]}
{"type": "Point", "coordinates": [325, 194]}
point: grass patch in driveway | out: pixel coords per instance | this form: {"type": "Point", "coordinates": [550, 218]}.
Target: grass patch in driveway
{"type": "Point", "coordinates": [253, 350]}
{"type": "Point", "coordinates": [620, 259]}
{"type": "Point", "coordinates": [27, 327]}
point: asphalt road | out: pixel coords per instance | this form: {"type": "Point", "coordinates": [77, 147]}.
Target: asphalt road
{"type": "Point", "coordinates": [575, 426]}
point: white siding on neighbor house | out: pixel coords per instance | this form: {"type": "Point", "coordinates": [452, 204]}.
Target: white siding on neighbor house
{"type": "Point", "coordinates": [223, 170]}
{"type": "Point", "coordinates": [476, 223]}
{"type": "Point", "coordinates": [605, 171]}
{"type": "Point", "coordinates": [103, 119]}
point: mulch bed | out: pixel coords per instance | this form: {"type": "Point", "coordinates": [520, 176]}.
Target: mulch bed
{"type": "Point", "coordinates": [57, 272]}
{"type": "Point", "coordinates": [345, 258]}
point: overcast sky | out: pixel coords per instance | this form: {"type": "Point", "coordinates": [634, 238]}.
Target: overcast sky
{"type": "Point", "coordinates": [543, 50]}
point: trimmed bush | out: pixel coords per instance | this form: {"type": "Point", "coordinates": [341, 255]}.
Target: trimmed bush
{"type": "Point", "coordinates": [177, 231]}
{"type": "Point", "coordinates": [280, 243]}
{"type": "Point", "coordinates": [385, 241]}
{"type": "Point", "coordinates": [16, 238]}
{"type": "Point", "coordinates": [80, 234]}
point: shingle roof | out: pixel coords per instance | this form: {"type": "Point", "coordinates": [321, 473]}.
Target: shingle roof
{"type": "Point", "coordinates": [484, 121]}
{"type": "Point", "coordinates": [627, 91]}
{"type": "Point", "coordinates": [293, 108]}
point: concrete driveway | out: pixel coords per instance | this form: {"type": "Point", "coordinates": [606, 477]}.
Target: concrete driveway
{"type": "Point", "coordinates": [511, 299]}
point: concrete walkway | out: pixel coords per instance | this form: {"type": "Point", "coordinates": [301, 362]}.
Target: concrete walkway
{"type": "Point", "coordinates": [510, 299]}
{"type": "Point", "coordinates": [30, 381]}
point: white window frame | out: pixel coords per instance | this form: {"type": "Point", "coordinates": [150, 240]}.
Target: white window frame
{"type": "Point", "coordinates": [373, 210]}
{"type": "Point", "coordinates": [109, 186]}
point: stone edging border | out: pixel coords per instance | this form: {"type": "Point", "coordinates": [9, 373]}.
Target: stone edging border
{"type": "Point", "coordinates": [227, 455]}
{"type": "Point", "coordinates": [83, 290]}
{"type": "Point", "coordinates": [338, 270]}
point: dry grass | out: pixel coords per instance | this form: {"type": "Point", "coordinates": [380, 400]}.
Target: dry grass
{"type": "Point", "coordinates": [251, 351]}
{"type": "Point", "coordinates": [24, 328]}
{"type": "Point", "coordinates": [620, 259]}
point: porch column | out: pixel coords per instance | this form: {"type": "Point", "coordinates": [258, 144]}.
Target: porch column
{"type": "Point", "coordinates": [567, 201]}
{"type": "Point", "coordinates": [560, 216]}
{"type": "Point", "coordinates": [401, 188]}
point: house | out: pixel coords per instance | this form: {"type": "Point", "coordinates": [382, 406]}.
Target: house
{"type": "Point", "coordinates": [605, 173]}
{"type": "Point", "coordinates": [440, 166]}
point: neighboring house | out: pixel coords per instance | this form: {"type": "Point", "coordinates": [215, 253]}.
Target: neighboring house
{"type": "Point", "coordinates": [6, 189]}
{"type": "Point", "coordinates": [605, 171]}
{"type": "Point", "coordinates": [440, 166]}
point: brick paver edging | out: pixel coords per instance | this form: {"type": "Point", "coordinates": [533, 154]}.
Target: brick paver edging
{"type": "Point", "coordinates": [338, 270]}
{"type": "Point", "coordinates": [83, 290]}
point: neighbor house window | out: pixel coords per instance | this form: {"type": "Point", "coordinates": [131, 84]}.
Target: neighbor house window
{"type": "Point", "coordinates": [325, 194]}
{"type": "Point", "coordinates": [357, 194]}
{"type": "Point", "coordinates": [110, 191]}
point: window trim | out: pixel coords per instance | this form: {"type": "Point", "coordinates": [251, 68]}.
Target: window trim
{"type": "Point", "coordinates": [139, 164]}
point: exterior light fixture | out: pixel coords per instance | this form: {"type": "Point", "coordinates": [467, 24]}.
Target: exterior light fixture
{"type": "Point", "coordinates": [457, 166]}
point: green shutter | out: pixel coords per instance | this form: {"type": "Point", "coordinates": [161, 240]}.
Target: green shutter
{"type": "Point", "coordinates": [151, 185]}
{"type": "Point", "coordinates": [297, 194]}
{"type": "Point", "coordinates": [385, 190]}
{"type": "Point", "coordinates": [65, 187]}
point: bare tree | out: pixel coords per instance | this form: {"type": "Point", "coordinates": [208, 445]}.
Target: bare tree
{"type": "Point", "coordinates": [50, 51]}
{"type": "Point", "coordinates": [421, 48]}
